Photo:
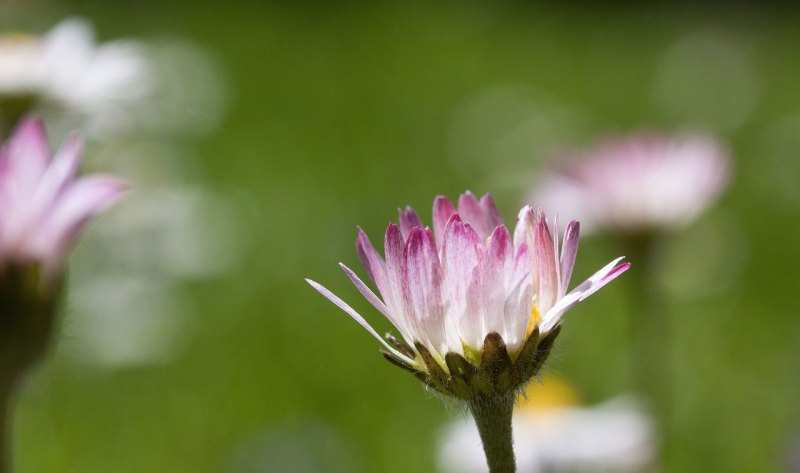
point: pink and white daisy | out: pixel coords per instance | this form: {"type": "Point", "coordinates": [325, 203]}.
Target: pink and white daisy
{"type": "Point", "coordinates": [637, 184]}
{"type": "Point", "coordinates": [43, 205]}
{"type": "Point", "coordinates": [469, 299]}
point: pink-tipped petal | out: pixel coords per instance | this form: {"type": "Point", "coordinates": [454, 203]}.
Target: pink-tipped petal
{"type": "Point", "coordinates": [569, 251]}
{"type": "Point", "coordinates": [76, 206]}
{"type": "Point", "coordinates": [522, 266]}
{"type": "Point", "coordinates": [471, 212]}
{"type": "Point", "coordinates": [517, 311]}
{"type": "Point", "coordinates": [57, 176]}
{"type": "Point", "coordinates": [370, 296]}
{"type": "Point", "coordinates": [461, 288]}
{"type": "Point", "coordinates": [357, 317]}
{"type": "Point", "coordinates": [544, 263]}
{"type": "Point", "coordinates": [421, 284]}
{"type": "Point", "coordinates": [28, 154]}
{"type": "Point", "coordinates": [497, 265]}
{"type": "Point", "coordinates": [442, 211]}
{"type": "Point", "coordinates": [557, 253]}
{"type": "Point", "coordinates": [490, 211]}
{"type": "Point", "coordinates": [393, 247]}
{"type": "Point", "coordinates": [408, 219]}
{"type": "Point", "coordinates": [599, 279]}
{"type": "Point", "coordinates": [367, 293]}
{"type": "Point", "coordinates": [373, 264]}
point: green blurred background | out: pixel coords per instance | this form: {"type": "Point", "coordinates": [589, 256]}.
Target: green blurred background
{"type": "Point", "coordinates": [342, 111]}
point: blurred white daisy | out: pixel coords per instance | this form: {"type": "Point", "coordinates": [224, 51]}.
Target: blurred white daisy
{"type": "Point", "coordinates": [66, 72]}
{"type": "Point", "coordinates": [128, 281]}
{"type": "Point", "coordinates": [555, 434]}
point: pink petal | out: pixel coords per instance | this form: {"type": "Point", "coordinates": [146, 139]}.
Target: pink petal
{"type": "Point", "coordinates": [73, 210]}
{"type": "Point", "coordinates": [569, 252]}
{"type": "Point", "coordinates": [373, 263]}
{"type": "Point", "coordinates": [57, 176]}
{"type": "Point", "coordinates": [421, 283]}
{"type": "Point", "coordinates": [544, 263]}
{"type": "Point", "coordinates": [557, 253]}
{"type": "Point", "coordinates": [471, 212]}
{"type": "Point", "coordinates": [599, 279]}
{"type": "Point", "coordinates": [374, 300]}
{"type": "Point", "coordinates": [461, 287]}
{"type": "Point", "coordinates": [492, 214]}
{"type": "Point", "coordinates": [25, 159]}
{"type": "Point", "coordinates": [367, 292]}
{"type": "Point", "coordinates": [442, 211]}
{"type": "Point", "coordinates": [393, 247]}
{"type": "Point", "coordinates": [408, 219]}
{"type": "Point", "coordinates": [497, 264]}
{"type": "Point", "coordinates": [517, 312]}
{"type": "Point", "coordinates": [522, 266]}
{"type": "Point", "coordinates": [357, 317]}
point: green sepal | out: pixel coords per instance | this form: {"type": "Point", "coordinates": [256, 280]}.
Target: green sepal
{"type": "Point", "coordinates": [495, 375]}
{"type": "Point", "coordinates": [437, 376]}
{"type": "Point", "coordinates": [496, 363]}
{"type": "Point", "coordinates": [462, 373]}
{"type": "Point", "coordinates": [401, 346]}
{"type": "Point", "coordinates": [542, 352]}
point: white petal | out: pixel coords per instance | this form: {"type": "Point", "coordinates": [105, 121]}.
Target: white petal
{"type": "Point", "coordinates": [357, 317]}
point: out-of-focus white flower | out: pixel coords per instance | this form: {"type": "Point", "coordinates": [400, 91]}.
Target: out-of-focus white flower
{"type": "Point", "coordinates": [147, 252]}
{"type": "Point", "coordinates": [636, 184]}
{"type": "Point", "coordinates": [20, 64]}
{"type": "Point", "coordinates": [66, 70]}
{"type": "Point", "coordinates": [553, 434]}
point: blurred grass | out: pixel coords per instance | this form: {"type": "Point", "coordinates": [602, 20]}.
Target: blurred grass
{"type": "Point", "coordinates": [342, 112]}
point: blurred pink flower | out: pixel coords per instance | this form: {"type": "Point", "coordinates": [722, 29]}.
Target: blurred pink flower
{"type": "Point", "coordinates": [446, 290]}
{"type": "Point", "coordinates": [636, 184]}
{"type": "Point", "coordinates": [43, 206]}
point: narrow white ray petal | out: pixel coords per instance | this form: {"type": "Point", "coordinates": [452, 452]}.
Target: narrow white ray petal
{"type": "Point", "coordinates": [377, 303]}
{"type": "Point", "coordinates": [357, 317]}
{"type": "Point", "coordinates": [599, 279]}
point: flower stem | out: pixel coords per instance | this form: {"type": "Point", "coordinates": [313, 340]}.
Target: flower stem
{"type": "Point", "coordinates": [652, 334]}
{"type": "Point", "coordinates": [7, 383]}
{"type": "Point", "coordinates": [493, 417]}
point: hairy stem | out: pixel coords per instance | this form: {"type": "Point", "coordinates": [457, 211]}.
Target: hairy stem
{"type": "Point", "coordinates": [493, 417]}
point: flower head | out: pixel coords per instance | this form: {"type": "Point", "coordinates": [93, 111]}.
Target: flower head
{"type": "Point", "coordinates": [637, 184]}
{"type": "Point", "coordinates": [477, 308]}
{"type": "Point", "coordinates": [65, 69]}
{"type": "Point", "coordinates": [43, 206]}
{"type": "Point", "coordinates": [43, 209]}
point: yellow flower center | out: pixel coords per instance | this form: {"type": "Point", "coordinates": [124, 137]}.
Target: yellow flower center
{"type": "Point", "coordinates": [9, 41]}
{"type": "Point", "coordinates": [536, 317]}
